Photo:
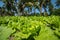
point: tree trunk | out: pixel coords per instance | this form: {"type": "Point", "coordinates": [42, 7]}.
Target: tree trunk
{"type": "Point", "coordinates": [34, 10]}
{"type": "Point", "coordinates": [45, 13]}
{"type": "Point", "coordinates": [41, 5]}
{"type": "Point", "coordinates": [40, 10]}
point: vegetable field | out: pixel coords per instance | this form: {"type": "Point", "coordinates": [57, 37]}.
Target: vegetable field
{"type": "Point", "coordinates": [30, 28]}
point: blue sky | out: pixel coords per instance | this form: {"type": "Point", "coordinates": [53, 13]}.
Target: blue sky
{"type": "Point", "coordinates": [1, 4]}
{"type": "Point", "coordinates": [53, 1]}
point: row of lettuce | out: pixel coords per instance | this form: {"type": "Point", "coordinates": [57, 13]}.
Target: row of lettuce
{"type": "Point", "coordinates": [30, 28]}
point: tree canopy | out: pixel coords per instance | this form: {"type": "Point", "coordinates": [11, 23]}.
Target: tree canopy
{"type": "Point", "coordinates": [18, 7]}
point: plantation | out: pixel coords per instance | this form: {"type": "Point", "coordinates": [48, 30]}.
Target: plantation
{"type": "Point", "coordinates": [30, 28]}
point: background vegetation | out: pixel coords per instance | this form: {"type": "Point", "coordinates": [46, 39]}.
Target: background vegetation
{"type": "Point", "coordinates": [17, 7]}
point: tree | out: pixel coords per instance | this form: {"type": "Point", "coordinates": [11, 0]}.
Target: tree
{"type": "Point", "coordinates": [44, 4]}
{"type": "Point", "coordinates": [51, 8]}
{"type": "Point", "coordinates": [30, 3]}
{"type": "Point", "coordinates": [57, 2]}
{"type": "Point", "coordinates": [18, 7]}
{"type": "Point", "coordinates": [9, 5]}
{"type": "Point", "coordinates": [3, 12]}
{"type": "Point", "coordinates": [23, 4]}
{"type": "Point", "coordinates": [56, 12]}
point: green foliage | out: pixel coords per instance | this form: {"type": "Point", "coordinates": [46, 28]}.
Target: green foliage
{"type": "Point", "coordinates": [30, 28]}
{"type": "Point", "coordinates": [56, 12]}
{"type": "Point", "coordinates": [5, 33]}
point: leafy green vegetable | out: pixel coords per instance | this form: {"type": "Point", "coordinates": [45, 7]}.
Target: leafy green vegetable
{"type": "Point", "coordinates": [30, 28]}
